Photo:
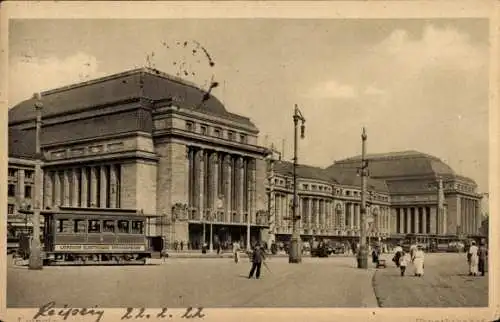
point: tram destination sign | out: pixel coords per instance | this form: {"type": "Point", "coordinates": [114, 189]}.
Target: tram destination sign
{"type": "Point", "coordinates": [105, 247]}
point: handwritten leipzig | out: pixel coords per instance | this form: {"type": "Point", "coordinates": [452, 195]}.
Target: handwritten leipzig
{"type": "Point", "coordinates": [49, 310]}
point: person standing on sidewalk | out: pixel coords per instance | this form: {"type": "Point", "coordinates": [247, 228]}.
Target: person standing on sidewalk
{"type": "Point", "coordinates": [257, 259]}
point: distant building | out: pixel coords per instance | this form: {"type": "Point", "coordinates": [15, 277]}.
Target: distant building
{"type": "Point", "coordinates": [403, 198]}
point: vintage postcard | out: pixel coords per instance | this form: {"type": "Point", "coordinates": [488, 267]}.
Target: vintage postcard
{"type": "Point", "coordinates": [213, 161]}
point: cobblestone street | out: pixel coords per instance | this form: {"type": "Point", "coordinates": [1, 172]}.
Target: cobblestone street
{"type": "Point", "coordinates": [330, 282]}
{"type": "Point", "coordinates": [445, 284]}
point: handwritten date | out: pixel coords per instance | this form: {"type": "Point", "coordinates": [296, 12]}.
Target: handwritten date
{"type": "Point", "coordinates": [140, 313]}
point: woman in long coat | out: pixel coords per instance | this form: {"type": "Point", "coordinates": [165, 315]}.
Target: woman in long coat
{"type": "Point", "coordinates": [418, 261]}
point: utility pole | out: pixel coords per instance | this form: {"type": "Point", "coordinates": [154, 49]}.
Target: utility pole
{"type": "Point", "coordinates": [295, 253]}
{"type": "Point", "coordinates": [363, 250]}
{"type": "Point", "coordinates": [35, 260]}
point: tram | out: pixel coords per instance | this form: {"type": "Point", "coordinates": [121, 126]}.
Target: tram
{"type": "Point", "coordinates": [436, 243]}
{"type": "Point", "coordinates": [82, 236]}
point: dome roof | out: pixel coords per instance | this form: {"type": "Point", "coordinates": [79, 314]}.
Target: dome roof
{"type": "Point", "coordinates": [399, 164]}
{"type": "Point", "coordinates": [347, 177]}
{"type": "Point", "coordinates": [143, 82]}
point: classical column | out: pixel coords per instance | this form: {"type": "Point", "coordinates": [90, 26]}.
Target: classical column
{"type": "Point", "coordinates": [407, 221]}
{"type": "Point", "coordinates": [65, 191]}
{"type": "Point", "coordinates": [214, 184]}
{"type": "Point", "coordinates": [328, 215]}
{"type": "Point", "coordinates": [113, 188]}
{"type": "Point", "coordinates": [445, 220]}
{"type": "Point", "coordinates": [424, 221]}
{"type": "Point", "coordinates": [433, 218]}
{"type": "Point", "coordinates": [75, 188]}
{"type": "Point", "coordinates": [252, 168]}
{"type": "Point", "coordinates": [240, 170]}
{"type": "Point", "coordinates": [317, 214]}
{"type": "Point", "coordinates": [57, 189]}
{"type": "Point", "coordinates": [227, 185]}
{"type": "Point", "coordinates": [309, 213]}
{"type": "Point", "coordinates": [471, 217]}
{"type": "Point", "coordinates": [478, 215]}
{"type": "Point", "coordinates": [93, 187]}
{"type": "Point", "coordinates": [416, 211]}
{"type": "Point", "coordinates": [351, 215]}
{"type": "Point", "coordinates": [103, 202]}
{"type": "Point", "coordinates": [48, 188]}
{"type": "Point", "coordinates": [84, 199]}
{"type": "Point", "coordinates": [200, 160]}
{"type": "Point", "coordinates": [358, 216]}
{"type": "Point", "coordinates": [464, 215]}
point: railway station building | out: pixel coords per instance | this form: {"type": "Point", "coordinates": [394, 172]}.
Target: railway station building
{"type": "Point", "coordinates": [409, 192]}
{"type": "Point", "coordinates": [146, 141]}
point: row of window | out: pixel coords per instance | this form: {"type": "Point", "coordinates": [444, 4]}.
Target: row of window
{"type": "Point", "coordinates": [28, 174]}
{"type": "Point", "coordinates": [11, 190]}
{"type": "Point", "coordinates": [216, 132]}
{"type": "Point", "coordinates": [324, 188]}
{"type": "Point", "coordinates": [79, 226]}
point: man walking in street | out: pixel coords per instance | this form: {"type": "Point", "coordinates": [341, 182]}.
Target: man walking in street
{"type": "Point", "coordinates": [257, 258]}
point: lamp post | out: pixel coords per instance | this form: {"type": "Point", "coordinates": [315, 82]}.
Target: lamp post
{"type": "Point", "coordinates": [363, 250]}
{"type": "Point", "coordinates": [295, 255]}
{"type": "Point", "coordinates": [35, 260]}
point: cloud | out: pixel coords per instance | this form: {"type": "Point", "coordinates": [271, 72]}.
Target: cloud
{"type": "Point", "coordinates": [442, 48]}
{"type": "Point", "coordinates": [28, 75]}
{"type": "Point", "coordinates": [373, 90]}
{"type": "Point", "coordinates": [332, 89]}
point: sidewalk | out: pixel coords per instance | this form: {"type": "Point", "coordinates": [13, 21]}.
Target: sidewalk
{"type": "Point", "coordinates": [198, 254]}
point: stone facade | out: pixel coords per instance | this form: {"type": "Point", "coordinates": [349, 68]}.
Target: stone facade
{"type": "Point", "coordinates": [408, 193]}
{"type": "Point", "coordinates": [144, 141]}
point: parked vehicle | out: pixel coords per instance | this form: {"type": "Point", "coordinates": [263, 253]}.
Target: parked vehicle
{"type": "Point", "coordinates": [83, 236]}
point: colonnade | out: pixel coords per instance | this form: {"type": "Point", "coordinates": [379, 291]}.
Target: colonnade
{"type": "Point", "coordinates": [416, 220]}
{"type": "Point", "coordinates": [221, 186]}
{"type": "Point", "coordinates": [470, 215]}
{"type": "Point", "coordinates": [320, 214]}
{"type": "Point", "coordinates": [92, 186]}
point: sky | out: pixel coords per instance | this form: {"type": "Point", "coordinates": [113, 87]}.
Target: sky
{"type": "Point", "coordinates": [415, 84]}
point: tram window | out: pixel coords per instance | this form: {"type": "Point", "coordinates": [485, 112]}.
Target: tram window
{"type": "Point", "coordinates": [94, 226]}
{"type": "Point", "coordinates": [123, 226]}
{"type": "Point", "coordinates": [108, 226]}
{"type": "Point", "coordinates": [64, 226]}
{"type": "Point", "coordinates": [137, 227]}
{"type": "Point", "coordinates": [79, 226]}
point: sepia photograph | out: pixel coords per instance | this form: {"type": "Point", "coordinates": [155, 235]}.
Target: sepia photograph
{"type": "Point", "coordinates": [247, 163]}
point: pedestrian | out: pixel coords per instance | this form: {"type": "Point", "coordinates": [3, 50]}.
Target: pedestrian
{"type": "Point", "coordinates": [472, 259]}
{"type": "Point", "coordinates": [418, 261]}
{"type": "Point", "coordinates": [257, 259]}
{"type": "Point", "coordinates": [182, 246]}
{"type": "Point", "coordinates": [235, 252]}
{"type": "Point", "coordinates": [404, 260]}
{"type": "Point", "coordinates": [398, 252]}
{"type": "Point", "coordinates": [482, 254]}
{"type": "Point", "coordinates": [375, 256]}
